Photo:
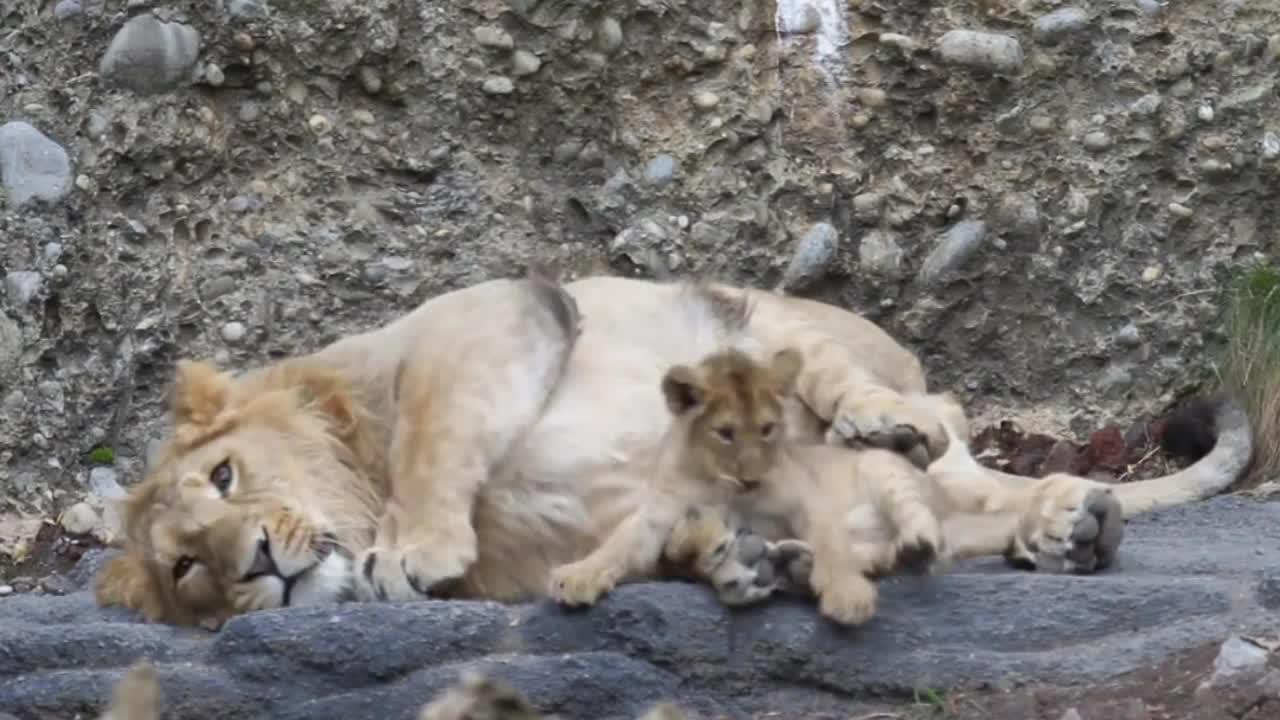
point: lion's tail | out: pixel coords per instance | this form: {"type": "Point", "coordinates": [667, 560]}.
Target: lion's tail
{"type": "Point", "coordinates": [1208, 476]}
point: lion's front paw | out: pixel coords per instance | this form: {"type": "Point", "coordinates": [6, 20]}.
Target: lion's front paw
{"type": "Point", "coordinates": [1071, 525]}
{"type": "Point", "coordinates": [848, 599]}
{"type": "Point", "coordinates": [410, 573]}
{"type": "Point", "coordinates": [580, 583]}
{"type": "Point", "coordinates": [888, 421]}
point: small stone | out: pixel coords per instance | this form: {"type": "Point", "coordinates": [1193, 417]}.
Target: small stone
{"type": "Point", "coordinates": [956, 246]}
{"type": "Point", "coordinates": [363, 117]}
{"type": "Point", "coordinates": [1152, 273]}
{"type": "Point", "coordinates": [1071, 714]}
{"type": "Point", "coordinates": [1270, 146]}
{"type": "Point", "coordinates": [1150, 8]}
{"type": "Point", "coordinates": [868, 206]}
{"type": "Point", "coordinates": [79, 519]}
{"type": "Point", "coordinates": [1042, 124]}
{"type": "Point", "coordinates": [499, 85]}
{"type": "Point", "coordinates": [494, 37]}
{"type": "Point", "coordinates": [798, 18]}
{"type": "Point", "coordinates": [524, 63]}
{"type": "Point", "coordinates": [1018, 215]}
{"type": "Point", "coordinates": [705, 100]}
{"type": "Point", "coordinates": [873, 97]}
{"type": "Point", "coordinates": [243, 42]}
{"type": "Point", "coordinates": [214, 75]}
{"type": "Point", "coordinates": [811, 256]}
{"type": "Point", "coordinates": [103, 483]}
{"type": "Point", "coordinates": [6, 590]}
{"type": "Point", "coordinates": [881, 253]}
{"type": "Point", "coordinates": [32, 167]}
{"type": "Point", "coordinates": [319, 124]}
{"type": "Point", "coordinates": [233, 332]}
{"type": "Point", "coordinates": [370, 80]}
{"type": "Point", "coordinates": [57, 585]}
{"type": "Point", "coordinates": [1205, 113]}
{"type": "Point", "coordinates": [660, 170]}
{"type": "Point", "coordinates": [610, 35]}
{"type": "Point", "coordinates": [902, 42]}
{"type": "Point", "coordinates": [1148, 104]}
{"type": "Point", "coordinates": [66, 9]}
{"type": "Point", "coordinates": [150, 56]}
{"type": "Point", "coordinates": [246, 8]}
{"type": "Point", "coordinates": [1237, 657]}
{"type": "Point", "coordinates": [1180, 210]}
{"type": "Point", "coordinates": [1129, 336]}
{"type": "Point", "coordinates": [1097, 141]}
{"type": "Point", "coordinates": [991, 52]}
{"type": "Point", "coordinates": [20, 286]}
{"type": "Point", "coordinates": [1055, 26]}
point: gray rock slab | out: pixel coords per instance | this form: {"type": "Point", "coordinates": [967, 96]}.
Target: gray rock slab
{"type": "Point", "coordinates": [1187, 577]}
{"type": "Point", "coordinates": [32, 167]}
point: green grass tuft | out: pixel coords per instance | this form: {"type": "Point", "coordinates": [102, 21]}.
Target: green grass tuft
{"type": "Point", "coordinates": [102, 455]}
{"type": "Point", "coordinates": [1251, 368]}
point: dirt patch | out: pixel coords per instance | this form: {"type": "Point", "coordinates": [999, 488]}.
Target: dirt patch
{"type": "Point", "coordinates": [1149, 447]}
{"type": "Point", "coordinates": [41, 564]}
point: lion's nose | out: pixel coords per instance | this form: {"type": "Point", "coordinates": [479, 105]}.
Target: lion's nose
{"type": "Point", "coordinates": [324, 545]}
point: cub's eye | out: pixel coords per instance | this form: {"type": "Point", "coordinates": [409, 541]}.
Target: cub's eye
{"type": "Point", "coordinates": [766, 430]}
{"type": "Point", "coordinates": [725, 434]}
{"type": "Point", "coordinates": [221, 477]}
{"type": "Point", "coordinates": [182, 567]}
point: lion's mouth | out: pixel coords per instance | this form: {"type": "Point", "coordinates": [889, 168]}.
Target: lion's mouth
{"type": "Point", "coordinates": [264, 563]}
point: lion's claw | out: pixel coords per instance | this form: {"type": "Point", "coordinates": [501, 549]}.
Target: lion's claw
{"type": "Point", "coordinates": [1073, 525]}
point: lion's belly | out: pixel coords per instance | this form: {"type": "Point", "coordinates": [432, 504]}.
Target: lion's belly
{"type": "Point", "coordinates": [567, 483]}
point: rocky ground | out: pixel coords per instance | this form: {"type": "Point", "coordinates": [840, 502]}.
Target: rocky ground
{"type": "Point", "coordinates": [1138, 641]}
{"type": "Point", "coordinates": [1043, 198]}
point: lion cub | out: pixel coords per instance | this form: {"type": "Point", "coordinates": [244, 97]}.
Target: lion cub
{"type": "Point", "coordinates": [863, 512]}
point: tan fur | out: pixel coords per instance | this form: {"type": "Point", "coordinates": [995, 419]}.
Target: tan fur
{"type": "Point", "coordinates": [474, 444]}
{"type": "Point", "coordinates": [136, 696]}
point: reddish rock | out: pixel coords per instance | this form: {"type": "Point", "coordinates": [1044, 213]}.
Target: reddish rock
{"type": "Point", "coordinates": [1107, 449]}
{"type": "Point", "coordinates": [1065, 457]}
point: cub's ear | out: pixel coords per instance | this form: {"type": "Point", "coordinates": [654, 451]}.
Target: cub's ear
{"type": "Point", "coordinates": [200, 392]}
{"type": "Point", "coordinates": [786, 367]}
{"type": "Point", "coordinates": [683, 390]}
{"type": "Point", "coordinates": [124, 582]}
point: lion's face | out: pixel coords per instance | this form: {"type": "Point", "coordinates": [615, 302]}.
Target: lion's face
{"type": "Point", "coordinates": [733, 413]}
{"type": "Point", "coordinates": [256, 502]}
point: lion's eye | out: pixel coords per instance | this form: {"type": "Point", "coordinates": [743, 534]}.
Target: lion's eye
{"type": "Point", "coordinates": [182, 567]}
{"type": "Point", "coordinates": [766, 430]}
{"type": "Point", "coordinates": [221, 477]}
{"type": "Point", "coordinates": [725, 434]}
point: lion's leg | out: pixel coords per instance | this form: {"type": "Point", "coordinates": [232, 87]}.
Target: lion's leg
{"type": "Point", "coordinates": [633, 548]}
{"type": "Point", "coordinates": [1065, 523]}
{"type": "Point", "coordinates": [742, 567]}
{"type": "Point", "coordinates": [970, 535]}
{"type": "Point", "coordinates": [463, 401]}
{"type": "Point", "coordinates": [858, 407]}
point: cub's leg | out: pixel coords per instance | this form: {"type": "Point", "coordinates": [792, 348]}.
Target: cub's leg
{"type": "Point", "coordinates": [136, 696]}
{"type": "Point", "coordinates": [478, 377]}
{"type": "Point", "coordinates": [900, 496]}
{"type": "Point", "coordinates": [742, 567]}
{"type": "Point", "coordinates": [633, 548]}
{"type": "Point", "coordinates": [840, 569]}
{"type": "Point", "coordinates": [1068, 524]}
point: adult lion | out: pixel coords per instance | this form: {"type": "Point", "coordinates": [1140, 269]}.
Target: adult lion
{"type": "Point", "coordinates": [480, 440]}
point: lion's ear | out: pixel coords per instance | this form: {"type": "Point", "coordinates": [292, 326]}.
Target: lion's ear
{"type": "Point", "coordinates": [200, 393]}
{"type": "Point", "coordinates": [124, 582]}
{"type": "Point", "coordinates": [328, 392]}
{"type": "Point", "coordinates": [683, 390]}
{"type": "Point", "coordinates": [786, 367]}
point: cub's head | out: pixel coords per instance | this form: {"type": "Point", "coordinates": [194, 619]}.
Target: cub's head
{"type": "Point", "coordinates": [257, 500]}
{"type": "Point", "coordinates": [731, 412]}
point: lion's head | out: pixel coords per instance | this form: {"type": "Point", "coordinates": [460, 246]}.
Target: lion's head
{"type": "Point", "coordinates": [267, 486]}
{"type": "Point", "coordinates": [732, 411]}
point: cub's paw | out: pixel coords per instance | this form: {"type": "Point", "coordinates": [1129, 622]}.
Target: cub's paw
{"type": "Point", "coordinates": [580, 583]}
{"type": "Point", "coordinates": [917, 550]}
{"type": "Point", "coordinates": [886, 420]}
{"type": "Point", "coordinates": [751, 569]}
{"type": "Point", "coordinates": [1071, 524]}
{"type": "Point", "coordinates": [848, 599]}
{"type": "Point", "coordinates": [411, 573]}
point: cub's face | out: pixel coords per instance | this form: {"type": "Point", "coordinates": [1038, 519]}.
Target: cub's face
{"type": "Point", "coordinates": [733, 413]}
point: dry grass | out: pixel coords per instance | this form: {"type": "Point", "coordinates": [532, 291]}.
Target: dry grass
{"type": "Point", "coordinates": [1251, 368]}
